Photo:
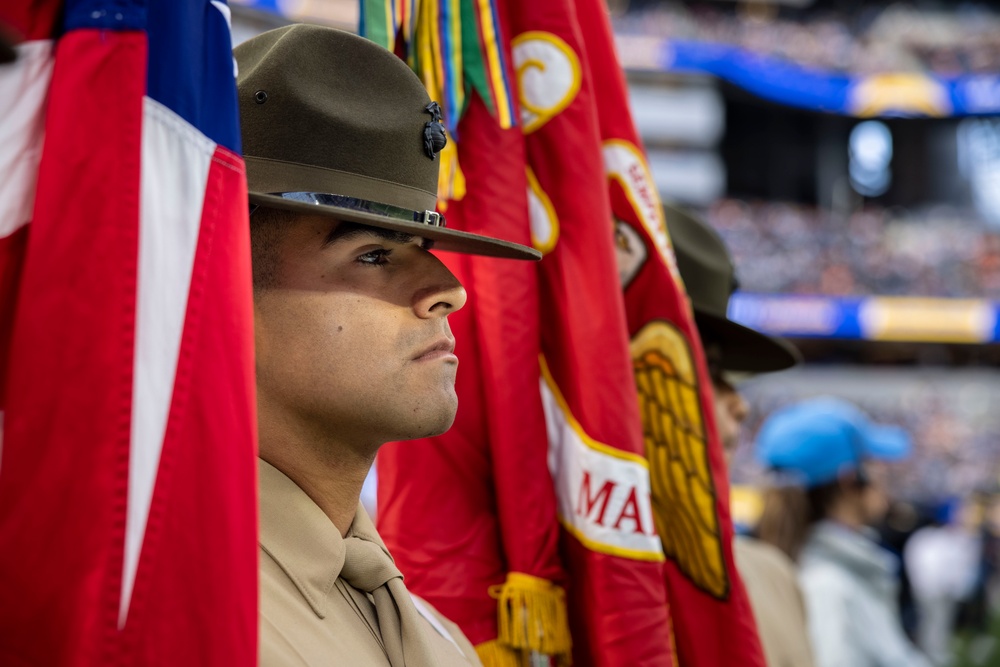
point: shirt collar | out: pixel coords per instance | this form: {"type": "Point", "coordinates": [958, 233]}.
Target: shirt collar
{"type": "Point", "coordinates": [853, 549]}
{"type": "Point", "coordinates": [302, 540]}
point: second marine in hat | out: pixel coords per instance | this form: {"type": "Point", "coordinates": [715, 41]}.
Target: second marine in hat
{"type": "Point", "coordinates": [709, 276]}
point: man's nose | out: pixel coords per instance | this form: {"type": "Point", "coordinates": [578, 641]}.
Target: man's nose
{"type": "Point", "coordinates": [441, 293]}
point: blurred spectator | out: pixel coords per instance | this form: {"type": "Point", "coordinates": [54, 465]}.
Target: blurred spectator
{"type": "Point", "coordinates": [781, 247]}
{"type": "Point", "coordinates": [951, 415]}
{"type": "Point", "coordinates": [902, 520]}
{"type": "Point", "coordinates": [942, 561]}
{"type": "Point", "coordinates": [965, 38]}
{"type": "Point", "coordinates": [822, 449]}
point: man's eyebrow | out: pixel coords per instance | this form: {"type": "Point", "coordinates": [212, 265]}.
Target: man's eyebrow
{"type": "Point", "coordinates": [351, 230]}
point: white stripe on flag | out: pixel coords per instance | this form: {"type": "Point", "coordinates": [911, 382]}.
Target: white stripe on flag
{"type": "Point", "coordinates": [175, 162]}
{"type": "Point", "coordinates": [24, 88]}
{"type": "Point", "coordinates": [228, 15]}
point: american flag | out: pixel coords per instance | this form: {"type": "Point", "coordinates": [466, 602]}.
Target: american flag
{"type": "Point", "coordinates": [128, 462]}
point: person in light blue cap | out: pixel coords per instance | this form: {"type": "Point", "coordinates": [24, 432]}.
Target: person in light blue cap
{"type": "Point", "coordinates": [819, 439]}
{"type": "Point", "coordinates": [820, 450]}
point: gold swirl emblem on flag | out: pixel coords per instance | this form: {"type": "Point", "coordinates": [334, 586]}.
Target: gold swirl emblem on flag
{"type": "Point", "coordinates": [683, 491]}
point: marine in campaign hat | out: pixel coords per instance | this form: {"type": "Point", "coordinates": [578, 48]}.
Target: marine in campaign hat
{"type": "Point", "coordinates": [352, 341]}
{"type": "Point", "coordinates": [709, 275]}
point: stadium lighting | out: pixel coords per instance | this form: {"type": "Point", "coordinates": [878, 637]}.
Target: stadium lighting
{"type": "Point", "coordinates": [870, 150]}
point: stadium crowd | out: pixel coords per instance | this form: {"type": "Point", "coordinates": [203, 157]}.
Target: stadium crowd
{"type": "Point", "coordinates": [941, 252]}
{"type": "Point", "coordinates": [943, 521]}
{"type": "Point", "coordinates": [949, 417]}
{"type": "Point", "coordinates": [963, 39]}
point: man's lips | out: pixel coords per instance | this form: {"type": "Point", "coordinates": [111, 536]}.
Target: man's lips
{"type": "Point", "coordinates": [441, 349]}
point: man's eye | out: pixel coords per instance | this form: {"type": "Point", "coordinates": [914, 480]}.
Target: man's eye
{"type": "Point", "coordinates": [375, 257]}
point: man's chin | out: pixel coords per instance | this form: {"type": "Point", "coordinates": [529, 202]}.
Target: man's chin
{"type": "Point", "coordinates": [439, 431]}
{"type": "Point", "coordinates": [427, 423]}
{"type": "Point", "coordinates": [445, 422]}
{"type": "Point", "coordinates": [428, 430]}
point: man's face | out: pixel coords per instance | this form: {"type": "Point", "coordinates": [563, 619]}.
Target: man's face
{"type": "Point", "coordinates": [352, 335]}
{"type": "Point", "coordinates": [874, 495]}
{"type": "Point", "coordinates": [730, 412]}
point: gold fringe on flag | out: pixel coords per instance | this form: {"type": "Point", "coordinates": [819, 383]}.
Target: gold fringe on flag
{"type": "Point", "coordinates": [531, 614]}
{"type": "Point", "coordinates": [495, 654]}
{"type": "Point", "coordinates": [451, 180]}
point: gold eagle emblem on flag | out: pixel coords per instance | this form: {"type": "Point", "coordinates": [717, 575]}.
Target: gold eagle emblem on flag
{"type": "Point", "coordinates": [683, 491]}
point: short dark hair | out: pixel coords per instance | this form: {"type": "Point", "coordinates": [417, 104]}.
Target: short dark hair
{"type": "Point", "coordinates": [266, 233]}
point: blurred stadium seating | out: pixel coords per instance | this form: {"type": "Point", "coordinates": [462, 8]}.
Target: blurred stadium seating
{"type": "Point", "coordinates": [791, 248]}
{"type": "Point", "coordinates": [965, 38]}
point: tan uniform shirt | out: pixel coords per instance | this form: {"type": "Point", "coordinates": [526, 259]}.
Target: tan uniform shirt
{"type": "Point", "coordinates": [772, 585]}
{"type": "Point", "coordinates": [309, 616]}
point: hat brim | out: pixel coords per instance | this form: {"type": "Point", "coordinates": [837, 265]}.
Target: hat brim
{"type": "Point", "coordinates": [450, 240]}
{"type": "Point", "coordinates": [745, 350]}
{"type": "Point", "coordinates": [887, 443]}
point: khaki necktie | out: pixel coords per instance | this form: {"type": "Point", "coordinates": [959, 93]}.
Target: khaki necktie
{"type": "Point", "coordinates": [368, 568]}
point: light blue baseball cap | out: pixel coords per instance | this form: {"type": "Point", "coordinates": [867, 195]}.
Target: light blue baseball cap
{"type": "Point", "coordinates": [816, 440]}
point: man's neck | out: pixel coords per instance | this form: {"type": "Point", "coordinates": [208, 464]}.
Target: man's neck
{"type": "Point", "coordinates": [331, 473]}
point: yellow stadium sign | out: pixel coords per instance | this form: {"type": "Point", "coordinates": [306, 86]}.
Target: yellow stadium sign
{"type": "Point", "coordinates": [927, 320]}
{"type": "Point", "coordinates": [903, 93]}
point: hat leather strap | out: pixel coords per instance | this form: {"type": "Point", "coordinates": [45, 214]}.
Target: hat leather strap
{"type": "Point", "coordinates": [430, 218]}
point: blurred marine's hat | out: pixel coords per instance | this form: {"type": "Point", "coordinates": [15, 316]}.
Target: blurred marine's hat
{"type": "Point", "coordinates": [710, 279]}
{"type": "Point", "coordinates": [335, 125]}
{"type": "Point", "coordinates": [8, 52]}
{"type": "Point", "coordinates": [818, 439]}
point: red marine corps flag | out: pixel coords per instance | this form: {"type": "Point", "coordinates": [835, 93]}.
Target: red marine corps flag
{"type": "Point", "coordinates": [128, 469]}
{"type": "Point", "coordinates": [689, 479]}
{"type": "Point", "coordinates": [547, 446]}
{"type": "Point", "coordinates": [617, 600]}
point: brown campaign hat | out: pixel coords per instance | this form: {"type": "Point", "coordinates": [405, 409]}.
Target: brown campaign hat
{"type": "Point", "coordinates": [334, 124]}
{"type": "Point", "coordinates": [710, 279]}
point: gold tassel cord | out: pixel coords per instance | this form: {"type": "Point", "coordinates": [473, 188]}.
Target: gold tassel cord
{"type": "Point", "coordinates": [451, 180]}
{"type": "Point", "coordinates": [495, 654]}
{"type": "Point", "coordinates": [531, 615]}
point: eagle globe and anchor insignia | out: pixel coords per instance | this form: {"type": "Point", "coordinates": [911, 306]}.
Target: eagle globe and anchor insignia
{"type": "Point", "coordinates": [434, 135]}
{"type": "Point", "coordinates": [681, 480]}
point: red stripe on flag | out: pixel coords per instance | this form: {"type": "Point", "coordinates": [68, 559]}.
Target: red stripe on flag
{"type": "Point", "coordinates": [12, 250]}
{"type": "Point", "coordinates": [202, 504]}
{"type": "Point", "coordinates": [64, 472]}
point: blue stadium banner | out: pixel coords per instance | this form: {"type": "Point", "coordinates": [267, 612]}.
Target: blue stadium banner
{"type": "Point", "coordinates": [911, 319]}
{"type": "Point", "coordinates": [784, 82]}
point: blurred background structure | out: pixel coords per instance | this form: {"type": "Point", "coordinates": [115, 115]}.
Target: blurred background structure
{"type": "Point", "coordinates": [849, 154]}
